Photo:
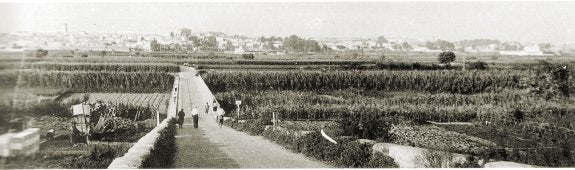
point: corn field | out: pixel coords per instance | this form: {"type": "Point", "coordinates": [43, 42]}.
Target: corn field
{"type": "Point", "coordinates": [155, 101]}
{"type": "Point", "coordinates": [129, 82]}
{"type": "Point", "coordinates": [443, 107]}
{"type": "Point", "coordinates": [426, 81]}
{"type": "Point", "coordinates": [124, 67]}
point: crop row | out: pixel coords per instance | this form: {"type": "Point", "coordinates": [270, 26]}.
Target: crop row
{"type": "Point", "coordinates": [126, 67]}
{"type": "Point", "coordinates": [156, 101]}
{"type": "Point", "coordinates": [496, 107]}
{"type": "Point", "coordinates": [428, 81]}
{"type": "Point", "coordinates": [130, 82]}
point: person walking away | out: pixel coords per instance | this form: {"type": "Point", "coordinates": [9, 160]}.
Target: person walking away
{"type": "Point", "coordinates": [215, 106]}
{"type": "Point", "coordinates": [181, 116]}
{"type": "Point", "coordinates": [221, 118]}
{"type": "Point", "coordinates": [207, 108]}
{"type": "Point", "coordinates": [195, 116]}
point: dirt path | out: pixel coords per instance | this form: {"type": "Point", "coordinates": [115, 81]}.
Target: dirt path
{"type": "Point", "coordinates": [234, 149]}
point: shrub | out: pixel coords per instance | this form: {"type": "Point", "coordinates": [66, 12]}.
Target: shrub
{"type": "Point", "coordinates": [347, 153]}
{"type": "Point", "coordinates": [479, 65]}
{"type": "Point", "coordinates": [104, 152]}
{"type": "Point", "coordinates": [379, 160]}
{"type": "Point", "coordinates": [366, 126]}
{"type": "Point", "coordinates": [470, 162]}
{"type": "Point", "coordinates": [354, 154]}
{"type": "Point", "coordinates": [518, 115]}
{"type": "Point", "coordinates": [41, 53]}
{"type": "Point", "coordinates": [50, 108]}
{"type": "Point", "coordinates": [446, 57]}
{"type": "Point", "coordinates": [164, 149]}
{"type": "Point", "coordinates": [436, 159]}
{"type": "Point", "coordinates": [248, 56]}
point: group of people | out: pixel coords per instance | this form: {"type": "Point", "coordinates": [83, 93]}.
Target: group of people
{"type": "Point", "coordinates": [220, 114]}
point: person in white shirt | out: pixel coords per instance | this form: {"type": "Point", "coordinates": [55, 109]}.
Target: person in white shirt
{"type": "Point", "coordinates": [195, 116]}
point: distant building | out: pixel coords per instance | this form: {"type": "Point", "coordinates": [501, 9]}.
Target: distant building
{"type": "Point", "coordinates": [185, 32]}
{"type": "Point", "coordinates": [424, 49]}
{"type": "Point", "coordinates": [239, 51]}
{"type": "Point", "coordinates": [527, 50]}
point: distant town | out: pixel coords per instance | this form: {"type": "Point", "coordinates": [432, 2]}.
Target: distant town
{"type": "Point", "coordinates": [186, 41]}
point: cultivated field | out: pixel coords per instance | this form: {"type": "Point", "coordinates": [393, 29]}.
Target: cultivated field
{"type": "Point", "coordinates": [156, 101]}
{"type": "Point", "coordinates": [508, 108]}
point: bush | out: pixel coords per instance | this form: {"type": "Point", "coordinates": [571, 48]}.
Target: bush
{"type": "Point", "coordinates": [436, 159]}
{"type": "Point", "coordinates": [518, 115]}
{"type": "Point", "coordinates": [248, 56]}
{"type": "Point", "coordinates": [379, 160]}
{"type": "Point", "coordinates": [41, 53]}
{"type": "Point", "coordinates": [471, 162]}
{"type": "Point", "coordinates": [479, 65]}
{"type": "Point", "coordinates": [280, 137]}
{"type": "Point", "coordinates": [347, 153]}
{"type": "Point", "coordinates": [446, 57]}
{"type": "Point", "coordinates": [366, 126]}
{"type": "Point", "coordinates": [107, 152]}
{"type": "Point", "coordinates": [51, 108]}
{"type": "Point", "coordinates": [164, 149]}
{"type": "Point", "coordinates": [121, 130]}
{"type": "Point", "coordinates": [355, 155]}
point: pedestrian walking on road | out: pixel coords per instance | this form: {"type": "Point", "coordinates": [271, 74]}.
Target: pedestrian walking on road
{"type": "Point", "coordinates": [221, 118]}
{"type": "Point", "coordinates": [195, 116]}
{"type": "Point", "coordinates": [215, 106]}
{"type": "Point", "coordinates": [181, 116]}
{"type": "Point", "coordinates": [207, 108]}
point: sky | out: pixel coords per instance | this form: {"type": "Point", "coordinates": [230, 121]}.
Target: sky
{"type": "Point", "coordinates": [507, 21]}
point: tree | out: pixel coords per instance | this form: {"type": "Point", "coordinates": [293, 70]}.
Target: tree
{"type": "Point", "coordinates": [381, 40]}
{"type": "Point", "coordinates": [551, 80]}
{"type": "Point", "coordinates": [294, 43]}
{"type": "Point", "coordinates": [446, 57]}
{"type": "Point", "coordinates": [326, 49]}
{"type": "Point", "coordinates": [440, 45]}
{"type": "Point", "coordinates": [210, 43]}
{"type": "Point", "coordinates": [229, 45]}
{"type": "Point", "coordinates": [248, 56]}
{"type": "Point", "coordinates": [154, 45]}
{"type": "Point", "coordinates": [41, 53]}
{"type": "Point", "coordinates": [195, 40]}
{"type": "Point", "coordinates": [406, 46]}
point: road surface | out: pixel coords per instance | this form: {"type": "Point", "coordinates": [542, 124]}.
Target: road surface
{"type": "Point", "coordinates": [211, 146]}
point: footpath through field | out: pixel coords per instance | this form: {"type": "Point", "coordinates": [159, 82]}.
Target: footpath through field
{"type": "Point", "coordinates": [211, 146]}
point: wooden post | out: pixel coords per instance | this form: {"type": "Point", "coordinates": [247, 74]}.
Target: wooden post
{"type": "Point", "coordinates": [274, 119]}
{"type": "Point", "coordinates": [464, 63]}
{"type": "Point", "coordinates": [238, 103]}
{"type": "Point", "coordinates": [157, 118]}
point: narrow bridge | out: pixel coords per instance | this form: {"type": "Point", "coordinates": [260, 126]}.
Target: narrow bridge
{"type": "Point", "coordinates": [211, 146]}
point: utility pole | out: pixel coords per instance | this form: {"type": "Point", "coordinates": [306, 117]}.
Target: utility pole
{"type": "Point", "coordinates": [464, 57]}
{"type": "Point", "coordinates": [16, 88]}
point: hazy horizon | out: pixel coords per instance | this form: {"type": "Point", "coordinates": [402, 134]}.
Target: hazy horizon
{"type": "Point", "coordinates": [506, 21]}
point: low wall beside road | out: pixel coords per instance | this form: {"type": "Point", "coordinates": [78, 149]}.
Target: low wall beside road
{"type": "Point", "coordinates": [144, 149]}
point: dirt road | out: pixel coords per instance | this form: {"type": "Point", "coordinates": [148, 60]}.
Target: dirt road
{"type": "Point", "coordinates": [212, 146]}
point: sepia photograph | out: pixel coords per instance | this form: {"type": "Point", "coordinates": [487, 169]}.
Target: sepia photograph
{"type": "Point", "coordinates": [324, 84]}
